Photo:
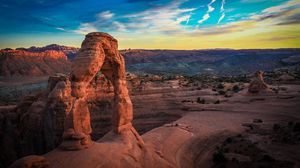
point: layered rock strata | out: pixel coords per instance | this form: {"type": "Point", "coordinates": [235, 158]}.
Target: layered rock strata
{"type": "Point", "coordinates": [25, 63]}
{"type": "Point", "coordinates": [99, 52]}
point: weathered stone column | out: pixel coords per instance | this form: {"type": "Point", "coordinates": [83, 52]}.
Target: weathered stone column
{"type": "Point", "coordinates": [257, 84]}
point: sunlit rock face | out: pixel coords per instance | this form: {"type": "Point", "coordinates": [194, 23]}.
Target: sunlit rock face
{"type": "Point", "coordinates": [66, 103]}
{"type": "Point", "coordinates": [24, 63]}
{"type": "Point", "coordinates": [99, 51]}
{"type": "Point", "coordinates": [70, 52]}
{"type": "Point", "coordinates": [257, 84]}
{"type": "Point", "coordinates": [36, 124]}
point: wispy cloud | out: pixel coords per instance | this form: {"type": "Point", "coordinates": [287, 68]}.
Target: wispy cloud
{"type": "Point", "coordinates": [163, 19]}
{"type": "Point", "coordinates": [105, 15]}
{"type": "Point", "coordinates": [172, 19]}
{"type": "Point", "coordinates": [119, 26]}
{"type": "Point", "coordinates": [222, 6]}
{"type": "Point", "coordinates": [268, 20]}
{"type": "Point", "coordinates": [210, 9]}
{"type": "Point", "coordinates": [185, 18]}
{"type": "Point", "coordinates": [221, 18]}
{"type": "Point", "coordinates": [60, 28]}
{"type": "Point", "coordinates": [286, 13]}
{"type": "Point", "coordinates": [166, 18]}
{"type": "Point", "coordinates": [283, 7]}
{"type": "Point", "coordinates": [85, 28]}
{"type": "Point", "coordinates": [222, 11]}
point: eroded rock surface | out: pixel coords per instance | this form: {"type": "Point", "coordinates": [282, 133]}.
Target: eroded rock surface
{"type": "Point", "coordinates": [257, 84]}
{"type": "Point", "coordinates": [31, 161]}
{"type": "Point", "coordinates": [123, 146]}
{"type": "Point", "coordinates": [42, 124]}
{"type": "Point", "coordinates": [25, 63]}
{"type": "Point", "coordinates": [99, 51]}
{"type": "Point", "coordinates": [36, 124]}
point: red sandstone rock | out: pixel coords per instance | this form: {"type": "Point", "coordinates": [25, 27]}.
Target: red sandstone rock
{"type": "Point", "coordinates": [23, 63]}
{"type": "Point", "coordinates": [69, 51]}
{"type": "Point", "coordinates": [99, 51]}
{"type": "Point", "coordinates": [257, 84]}
{"type": "Point", "coordinates": [42, 117]}
{"type": "Point", "coordinates": [31, 161]}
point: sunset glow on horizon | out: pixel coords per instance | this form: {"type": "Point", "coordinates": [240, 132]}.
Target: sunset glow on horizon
{"type": "Point", "coordinates": [159, 24]}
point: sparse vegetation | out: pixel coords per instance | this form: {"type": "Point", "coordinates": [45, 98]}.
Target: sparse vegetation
{"type": "Point", "coordinates": [200, 100]}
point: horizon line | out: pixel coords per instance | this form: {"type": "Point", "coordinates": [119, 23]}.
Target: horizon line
{"type": "Point", "coordinates": [41, 46]}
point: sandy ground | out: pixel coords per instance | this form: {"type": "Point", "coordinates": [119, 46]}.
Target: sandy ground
{"type": "Point", "coordinates": [204, 129]}
{"type": "Point", "coordinates": [210, 124]}
{"type": "Point", "coordinates": [188, 134]}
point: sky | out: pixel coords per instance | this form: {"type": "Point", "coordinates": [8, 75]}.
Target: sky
{"type": "Point", "coordinates": [153, 24]}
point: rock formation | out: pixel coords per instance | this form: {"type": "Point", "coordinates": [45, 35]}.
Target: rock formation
{"type": "Point", "coordinates": [31, 161]}
{"type": "Point", "coordinates": [99, 51]}
{"type": "Point", "coordinates": [36, 124]}
{"type": "Point", "coordinates": [69, 51]}
{"type": "Point", "coordinates": [24, 63]}
{"type": "Point", "coordinates": [66, 100]}
{"type": "Point", "coordinates": [42, 124]}
{"type": "Point", "coordinates": [257, 84]}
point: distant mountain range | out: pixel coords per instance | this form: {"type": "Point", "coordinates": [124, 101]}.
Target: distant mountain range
{"type": "Point", "coordinates": [69, 51]}
{"type": "Point", "coordinates": [25, 63]}
{"type": "Point", "coordinates": [162, 62]}
{"type": "Point", "coordinates": [221, 62]}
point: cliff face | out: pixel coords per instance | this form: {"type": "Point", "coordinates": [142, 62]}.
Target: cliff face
{"type": "Point", "coordinates": [24, 63]}
{"type": "Point", "coordinates": [69, 51]}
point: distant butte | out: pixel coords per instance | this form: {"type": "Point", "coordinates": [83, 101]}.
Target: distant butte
{"type": "Point", "coordinates": [25, 63]}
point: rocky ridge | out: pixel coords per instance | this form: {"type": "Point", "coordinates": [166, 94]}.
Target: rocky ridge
{"type": "Point", "coordinates": [69, 51]}
{"type": "Point", "coordinates": [24, 63]}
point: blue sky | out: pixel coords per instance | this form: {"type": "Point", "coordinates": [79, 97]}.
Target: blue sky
{"type": "Point", "coordinates": [151, 24]}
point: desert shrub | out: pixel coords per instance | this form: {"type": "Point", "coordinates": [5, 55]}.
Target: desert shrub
{"type": "Point", "coordinates": [218, 157]}
{"type": "Point", "coordinates": [296, 127]}
{"type": "Point", "coordinates": [276, 127]}
{"type": "Point", "coordinates": [236, 88]}
{"type": "Point", "coordinates": [220, 86]}
{"type": "Point", "coordinates": [221, 92]}
{"type": "Point", "coordinates": [200, 100]}
{"type": "Point", "coordinates": [229, 140]}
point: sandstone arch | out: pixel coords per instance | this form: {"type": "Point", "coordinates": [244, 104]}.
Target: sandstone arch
{"type": "Point", "coordinates": [99, 51]}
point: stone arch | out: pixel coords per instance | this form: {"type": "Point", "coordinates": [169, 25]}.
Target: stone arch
{"type": "Point", "coordinates": [99, 51]}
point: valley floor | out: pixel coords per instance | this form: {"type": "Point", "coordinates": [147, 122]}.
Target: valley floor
{"type": "Point", "coordinates": [241, 131]}
{"type": "Point", "coordinates": [251, 118]}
